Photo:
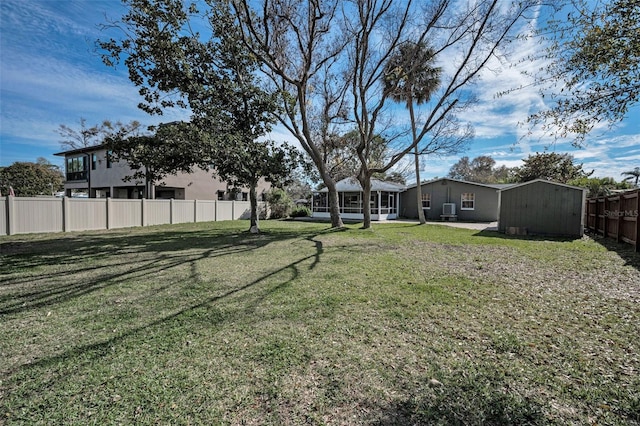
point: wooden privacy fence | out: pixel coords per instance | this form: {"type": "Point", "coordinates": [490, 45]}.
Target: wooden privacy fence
{"type": "Point", "coordinates": [616, 216]}
{"type": "Point", "coordinates": [25, 215]}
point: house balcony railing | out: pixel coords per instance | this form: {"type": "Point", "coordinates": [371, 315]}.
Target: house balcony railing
{"type": "Point", "coordinates": [76, 176]}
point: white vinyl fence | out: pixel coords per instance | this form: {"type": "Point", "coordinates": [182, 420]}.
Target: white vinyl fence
{"type": "Point", "coordinates": [27, 215]}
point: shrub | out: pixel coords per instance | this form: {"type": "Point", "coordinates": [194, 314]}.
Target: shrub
{"type": "Point", "coordinates": [301, 211]}
{"type": "Point", "coordinates": [280, 203]}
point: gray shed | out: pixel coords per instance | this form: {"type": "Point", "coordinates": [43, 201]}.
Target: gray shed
{"type": "Point", "coordinates": [540, 207]}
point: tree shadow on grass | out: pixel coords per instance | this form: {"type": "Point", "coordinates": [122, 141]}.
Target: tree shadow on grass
{"type": "Point", "coordinates": [501, 235]}
{"type": "Point", "coordinates": [81, 264]}
{"type": "Point", "coordinates": [464, 397]}
{"type": "Point", "coordinates": [263, 287]}
{"type": "Point", "coordinates": [624, 250]}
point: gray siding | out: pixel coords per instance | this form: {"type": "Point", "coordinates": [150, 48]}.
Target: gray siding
{"type": "Point", "coordinates": [542, 208]}
{"type": "Point", "coordinates": [448, 191]}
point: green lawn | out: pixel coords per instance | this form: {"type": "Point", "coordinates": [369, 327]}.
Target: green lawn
{"type": "Point", "coordinates": [397, 325]}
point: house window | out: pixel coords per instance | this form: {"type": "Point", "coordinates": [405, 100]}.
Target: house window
{"type": "Point", "coordinates": [220, 195]}
{"type": "Point", "coordinates": [468, 201]}
{"type": "Point", "coordinates": [245, 196]}
{"type": "Point", "coordinates": [108, 159]}
{"type": "Point", "coordinates": [426, 200]}
{"type": "Point", "coordinates": [320, 202]}
{"type": "Point", "coordinates": [77, 168]}
{"type": "Point", "coordinates": [374, 202]}
{"type": "Point", "coordinates": [352, 202]}
{"type": "Point", "coordinates": [94, 161]}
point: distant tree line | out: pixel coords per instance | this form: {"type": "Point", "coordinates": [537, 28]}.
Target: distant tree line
{"type": "Point", "coordinates": [550, 166]}
{"type": "Point", "coordinates": [28, 179]}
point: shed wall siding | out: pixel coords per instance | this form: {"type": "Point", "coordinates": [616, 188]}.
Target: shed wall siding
{"type": "Point", "coordinates": [542, 208]}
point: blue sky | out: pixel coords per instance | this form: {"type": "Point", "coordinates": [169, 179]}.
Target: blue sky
{"type": "Point", "coordinates": [50, 75]}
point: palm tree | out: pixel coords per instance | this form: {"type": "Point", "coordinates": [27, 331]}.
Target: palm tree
{"type": "Point", "coordinates": [411, 77]}
{"type": "Point", "coordinates": [632, 175]}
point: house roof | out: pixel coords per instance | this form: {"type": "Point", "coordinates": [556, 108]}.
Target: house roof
{"type": "Point", "coordinates": [352, 184]}
{"type": "Point", "coordinates": [544, 181]}
{"type": "Point", "coordinates": [83, 150]}
{"type": "Point", "coordinates": [486, 185]}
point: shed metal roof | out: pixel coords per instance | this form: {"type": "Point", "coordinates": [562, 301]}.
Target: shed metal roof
{"type": "Point", "coordinates": [519, 185]}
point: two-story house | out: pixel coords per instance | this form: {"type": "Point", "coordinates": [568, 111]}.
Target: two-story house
{"type": "Point", "coordinates": [89, 171]}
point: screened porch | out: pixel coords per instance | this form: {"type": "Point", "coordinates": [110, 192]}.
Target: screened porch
{"type": "Point", "coordinates": [384, 201]}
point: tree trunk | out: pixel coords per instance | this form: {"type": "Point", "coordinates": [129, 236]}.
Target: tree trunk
{"type": "Point", "coordinates": [334, 205]}
{"type": "Point", "coordinates": [421, 217]}
{"type": "Point", "coordinates": [149, 193]}
{"type": "Point", "coordinates": [332, 196]}
{"type": "Point", "coordinates": [416, 152]}
{"type": "Point", "coordinates": [366, 205]}
{"type": "Point", "coordinates": [365, 182]}
{"type": "Point", "coordinates": [253, 199]}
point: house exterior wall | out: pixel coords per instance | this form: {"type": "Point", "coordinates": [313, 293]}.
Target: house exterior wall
{"type": "Point", "coordinates": [450, 191]}
{"type": "Point", "coordinates": [104, 181]}
{"type": "Point", "coordinates": [542, 208]}
{"type": "Point", "coordinates": [104, 176]}
{"type": "Point", "coordinates": [199, 185]}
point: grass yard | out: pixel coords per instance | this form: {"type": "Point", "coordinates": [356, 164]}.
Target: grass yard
{"type": "Point", "coordinates": [398, 325]}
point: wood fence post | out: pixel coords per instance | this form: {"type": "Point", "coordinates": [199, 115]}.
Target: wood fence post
{"type": "Point", "coordinates": [619, 218]}
{"type": "Point", "coordinates": [595, 214]}
{"type": "Point", "coordinates": [601, 225]}
{"type": "Point", "coordinates": [605, 225]}
{"type": "Point", "coordinates": [195, 211]}
{"type": "Point", "coordinates": [637, 219]}
{"type": "Point", "coordinates": [171, 211]}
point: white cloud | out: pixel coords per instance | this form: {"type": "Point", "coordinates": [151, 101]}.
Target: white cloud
{"type": "Point", "coordinates": [51, 92]}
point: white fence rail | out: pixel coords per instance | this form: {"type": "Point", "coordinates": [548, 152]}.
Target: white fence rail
{"type": "Point", "coordinates": [27, 215]}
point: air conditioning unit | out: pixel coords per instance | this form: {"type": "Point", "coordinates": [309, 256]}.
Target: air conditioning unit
{"type": "Point", "coordinates": [449, 209]}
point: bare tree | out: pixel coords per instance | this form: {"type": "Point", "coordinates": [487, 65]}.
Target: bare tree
{"type": "Point", "coordinates": [75, 138]}
{"type": "Point", "coordinates": [347, 44]}
{"type": "Point", "coordinates": [300, 53]}
{"type": "Point", "coordinates": [464, 37]}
